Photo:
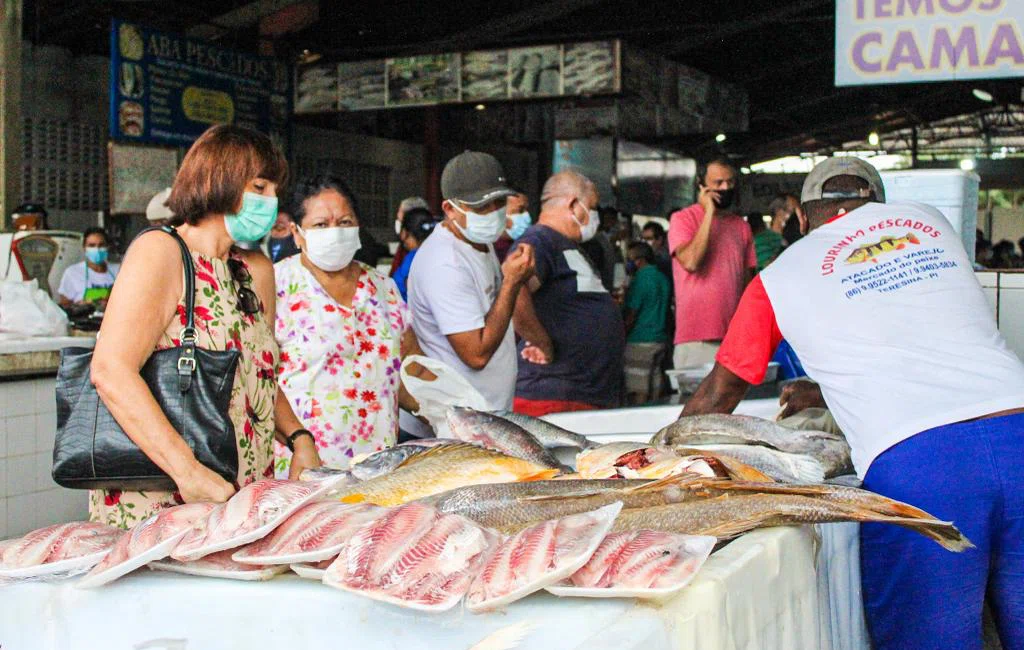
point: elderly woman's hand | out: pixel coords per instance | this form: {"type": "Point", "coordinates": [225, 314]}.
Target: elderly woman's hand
{"type": "Point", "coordinates": [203, 484]}
{"type": "Point", "coordinates": [304, 457]}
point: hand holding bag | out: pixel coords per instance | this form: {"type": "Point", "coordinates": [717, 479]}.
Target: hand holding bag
{"type": "Point", "coordinates": [191, 385]}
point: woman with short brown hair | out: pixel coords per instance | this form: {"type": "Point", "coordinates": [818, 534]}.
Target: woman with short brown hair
{"type": "Point", "coordinates": [225, 191]}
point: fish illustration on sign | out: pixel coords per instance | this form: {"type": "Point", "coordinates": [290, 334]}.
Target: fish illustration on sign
{"type": "Point", "coordinates": [888, 244]}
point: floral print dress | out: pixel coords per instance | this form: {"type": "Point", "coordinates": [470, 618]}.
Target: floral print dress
{"type": "Point", "coordinates": [222, 326]}
{"type": "Point", "coordinates": [340, 365]}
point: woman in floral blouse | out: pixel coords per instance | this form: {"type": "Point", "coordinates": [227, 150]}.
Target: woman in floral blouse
{"type": "Point", "coordinates": [224, 192]}
{"type": "Point", "coordinates": [342, 328]}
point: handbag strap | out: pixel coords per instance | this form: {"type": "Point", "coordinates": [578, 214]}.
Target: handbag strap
{"type": "Point", "coordinates": [189, 335]}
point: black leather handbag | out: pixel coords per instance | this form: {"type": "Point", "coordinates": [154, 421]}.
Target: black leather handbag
{"type": "Point", "coordinates": [191, 385]}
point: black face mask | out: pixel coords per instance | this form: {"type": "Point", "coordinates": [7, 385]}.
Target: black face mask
{"type": "Point", "coordinates": [791, 231]}
{"type": "Point", "coordinates": [725, 198]}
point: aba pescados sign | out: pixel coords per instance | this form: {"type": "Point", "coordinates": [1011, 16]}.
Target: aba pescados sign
{"type": "Point", "coordinates": [905, 41]}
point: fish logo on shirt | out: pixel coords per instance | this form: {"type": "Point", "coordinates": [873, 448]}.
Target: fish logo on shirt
{"type": "Point", "coordinates": [887, 245]}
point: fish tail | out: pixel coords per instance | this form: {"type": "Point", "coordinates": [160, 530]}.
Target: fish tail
{"type": "Point", "coordinates": [542, 475]}
{"type": "Point", "coordinates": [912, 238]}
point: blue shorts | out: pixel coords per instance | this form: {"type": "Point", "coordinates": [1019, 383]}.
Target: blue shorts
{"type": "Point", "coordinates": [916, 593]}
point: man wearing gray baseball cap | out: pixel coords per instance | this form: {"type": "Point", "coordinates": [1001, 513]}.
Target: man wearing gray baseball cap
{"type": "Point", "coordinates": [461, 299]}
{"type": "Point", "coordinates": [880, 303]}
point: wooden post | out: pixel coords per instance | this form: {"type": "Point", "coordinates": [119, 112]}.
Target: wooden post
{"type": "Point", "coordinates": [10, 108]}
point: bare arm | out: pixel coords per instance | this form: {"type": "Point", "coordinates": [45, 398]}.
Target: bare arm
{"type": "Point", "coordinates": [476, 347]}
{"type": "Point", "coordinates": [528, 325]}
{"type": "Point", "coordinates": [720, 392]}
{"type": "Point", "coordinates": [149, 284]}
{"type": "Point", "coordinates": [629, 316]}
{"type": "Point", "coordinates": [411, 346]}
{"type": "Point", "coordinates": [286, 422]}
{"type": "Point", "coordinates": [691, 254]}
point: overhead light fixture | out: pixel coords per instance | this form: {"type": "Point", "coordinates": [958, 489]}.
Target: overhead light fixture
{"type": "Point", "coordinates": [720, 137]}
{"type": "Point", "coordinates": [968, 164]}
{"type": "Point", "coordinates": [873, 139]}
{"type": "Point", "coordinates": [479, 107]}
{"type": "Point", "coordinates": [983, 95]}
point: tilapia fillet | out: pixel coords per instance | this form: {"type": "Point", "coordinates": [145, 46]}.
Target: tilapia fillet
{"type": "Point", "coordinates": [250, 514]}
{"type": "Point", "coordinates": [315, 532]}
{"type": "Point", "coordinates": [219, 565]}
{"type": "Point", "coordinates": [412, 556]}
{"type": "Point", "coordinates": [151, 540]}
{"type": "Point", "coordinates": [74, 546]}
{"type": "Point", "coordinates": [639, 563]}
{"type": "Point", "coordinates": [539, 557]}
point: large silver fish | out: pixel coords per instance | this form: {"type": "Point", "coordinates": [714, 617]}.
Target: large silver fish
{"type": "Point", "coordinates": [649, 504]}
{"type": "Point", "coordinates": [550, 435]}
{"type": "Point", "coordinates": [497, 433]}
{"type": "Point", "coordinates": [830, 449]}
{"type": "Point", "coordinates": [779, 465]}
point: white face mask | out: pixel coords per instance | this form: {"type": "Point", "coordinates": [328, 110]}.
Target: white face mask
{"type": "Point", "coordinates": [588, 231]}
{"type": "Point", "coordinates": [482, 228]}
{"type": "Point", "coordinates": [331, 249]}
{"type": "Point", "coordinates": [398, 227]}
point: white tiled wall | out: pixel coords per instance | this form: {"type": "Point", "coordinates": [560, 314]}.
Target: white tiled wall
{"type": "Point", "coordinates": [29, 498]}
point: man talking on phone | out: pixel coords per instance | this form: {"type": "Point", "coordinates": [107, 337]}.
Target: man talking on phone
{"type": "Point", "coordinates": [713, 259]}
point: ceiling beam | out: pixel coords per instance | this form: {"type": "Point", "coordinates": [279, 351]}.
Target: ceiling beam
{"type": "Point", "coordinates": [240, 18]}
{"type": "Point", "coordinates": [736, 27]}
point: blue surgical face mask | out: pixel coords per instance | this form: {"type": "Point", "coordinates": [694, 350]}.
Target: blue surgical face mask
{"type": "Point", "coordinates": [254, 220]}
{"type": "Point", "coordinates": [96, 255]}
{"type": "Point", "coordinates": [520, 222]}
{"type": "Point", "coordinates": [630, 267]}
{"type": "Point", "coordinates": [482, 228]}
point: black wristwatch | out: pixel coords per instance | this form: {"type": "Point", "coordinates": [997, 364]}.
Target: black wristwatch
{"type": "Point", "coordinates": [290, 440]}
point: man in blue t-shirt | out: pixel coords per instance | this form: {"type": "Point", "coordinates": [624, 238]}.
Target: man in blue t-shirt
{"type": "Point", "coordinates": [579, 366]}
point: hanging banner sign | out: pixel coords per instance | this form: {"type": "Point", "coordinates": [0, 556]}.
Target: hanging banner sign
{"type": "Point", "coordinates": [906, 41]}
{"type": "Point", "coordinates": [168, 89]}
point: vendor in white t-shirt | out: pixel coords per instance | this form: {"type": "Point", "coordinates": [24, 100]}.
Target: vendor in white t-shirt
{"type": "Point", "coordinates": [89, 281]}
{"type": "Point", "coordinates": [880, 303]}
{"type": "Point", "coordinates": [461, 299]}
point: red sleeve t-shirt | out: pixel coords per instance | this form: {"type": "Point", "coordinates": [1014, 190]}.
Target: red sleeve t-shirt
{"type": "Point", "coordinates": [753, 336]}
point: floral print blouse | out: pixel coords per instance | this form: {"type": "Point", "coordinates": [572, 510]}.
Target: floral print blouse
{"type": "Point", "coordinates": [222, 326]}
{"type": "Point", "coordinates": [339, 365]}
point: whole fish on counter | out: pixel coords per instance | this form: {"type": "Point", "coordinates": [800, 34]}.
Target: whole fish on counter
{"type": "Point", "coordinates": [439, 469]}
{"type": "Point", "coordinates": [666, 505]}
{"type": "Point", "coordinates": [639, 460]}
{"type": "Point", "coordinates": [780, 465]}
{"type": "Point", "coordinates": [728, 512]}
{"type": "Point", "coordinates": [377, 463]}
{"type": "Point", "coordinates": [497, 433]}
{"type": "Point", "coordinates": [830, 449]}
{"type": "Point", "coordinates": [550, 435]}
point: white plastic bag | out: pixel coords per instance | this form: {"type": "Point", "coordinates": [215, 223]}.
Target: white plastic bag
{"type": "Point", "coordinates": [434, 397]}
{"type": "Point", "coordinates": [27, 310]}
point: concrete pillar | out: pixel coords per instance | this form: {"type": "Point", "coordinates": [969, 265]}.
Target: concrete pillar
{"type": "Point", "coordinates": [10, 107]}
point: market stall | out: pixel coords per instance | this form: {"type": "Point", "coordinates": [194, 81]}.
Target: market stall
{"type": "Point", "coordinates": [772, 588]}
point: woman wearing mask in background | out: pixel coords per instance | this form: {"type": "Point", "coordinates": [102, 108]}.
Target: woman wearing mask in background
{"type": "Point", "coordinates": [342, 327]}
{"type": "Point", "coordinates": [416, 227]}
{"type": "Point", "coordinates": [225, 191]}
{"type": "Point", "coordinates": [89, 282]}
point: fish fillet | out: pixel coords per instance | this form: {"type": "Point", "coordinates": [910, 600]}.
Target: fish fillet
{"type": "Point", "coordinates": [538, 557]}
{"type": "Point", "coordinates": [151, 540]}
{"type": "Point", "coordinates": [250, 514]}
{"type": "Point", "coordinates": [220, 565]}
{"type": "Point", "coordinates": [314, 571]}
{"type": "Point", "coordinates": [61, 549]}
{"type": "Point", "coordinates": [413, 556]}
{"type": "Point", "coordinates": [316, 531]}
{"type": "Point", "coordinates": [639, 564]}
